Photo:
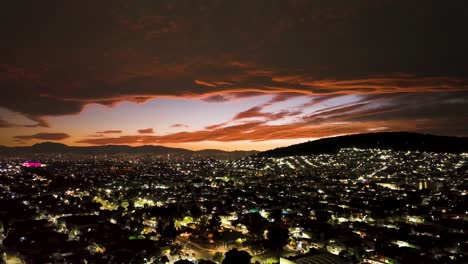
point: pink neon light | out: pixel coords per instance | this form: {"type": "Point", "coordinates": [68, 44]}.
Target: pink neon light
{"type": "Point", "coordinates": [32, 164]}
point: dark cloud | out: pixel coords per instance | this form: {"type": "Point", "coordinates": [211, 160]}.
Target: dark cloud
{"type": "Point", "coordinates": [146, 131]}
{"type": "Point", "coordinates": [179, 126]}
{"type": "Point", "coordinates": [216, 99]}
{"type": "Point", "coordinates": [331, 112]}
{"type": "Point", "coordinates": [109, 132]}
{"type": "Point", "coordinates": [108, 51]}
{"type": "Point", "coordinates": [446, 111]}
{"type": "Point", "coordinates": [43, 136]}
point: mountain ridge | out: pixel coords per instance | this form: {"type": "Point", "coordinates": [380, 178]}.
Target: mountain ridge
{"type": "Point", "coordinates": [401, 141]}
{"type": "Point", "coordinates": [383, 140]}
{"type": "Point", "coordinates": [54, 147]}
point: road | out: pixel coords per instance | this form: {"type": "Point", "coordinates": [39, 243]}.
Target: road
{"type": "Point", "coordinates": [201, 251]}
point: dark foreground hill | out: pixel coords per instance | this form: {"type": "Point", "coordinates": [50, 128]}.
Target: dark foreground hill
{"type": "Point", "coordinates": [387, 140]}
{"type": "Point", "coordinates": [51, 148]}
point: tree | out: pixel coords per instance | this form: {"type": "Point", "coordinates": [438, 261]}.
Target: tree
{"type": "Point", "coordinates": [235, 256]}
{"type": "Point", "coordinates": [131, 206]}
{"type": "Point", "coordinates": [322, 216]}
{"type": "Point", "coordinates": [218, 257]}
{"type": "Point", "coordinates": [255, 223]}
{"type": "Point", "coordinates": [183, 261]}
{"type": "Point", "coordinates": [168, 231]}
{"type": "Point", "coordinates": [175, 249]}
{"type": "Point", "coordinates": [122, 256]}
{"type": "Point", "coordinates": [215, 222]}
{"type": "Point", "coordinates": [164, 259]}
{"type": "Point", "coordinates": [204, 222]}
{"type": "Point", "coordinates": [255, 246]}
{"type": "Point", "coordinates": [94, 206]}
{"type": "Point", "coordinates": [277, 238]}
{"type": "Point", "coordinates": [204, 261]}
{"type": "Point", "coordinates": [344, 254]}
{"type": "Point", "coordinates": [195, 212]}
{"type": "Point", "coordinates": [276, 215]}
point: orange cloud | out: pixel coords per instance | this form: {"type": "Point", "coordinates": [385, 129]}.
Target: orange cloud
{"type": "Point", "coordinates": [205, 83]}
{"type": "Point", "coordinates": [258, 131]}
{"type": "Point", "coordinates": [256, 112]}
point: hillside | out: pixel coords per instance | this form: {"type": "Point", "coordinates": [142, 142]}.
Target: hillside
{"type": "Point", "coordinates": [387, 140]}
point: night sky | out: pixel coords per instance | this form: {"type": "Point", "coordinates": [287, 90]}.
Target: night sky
{"type": "Point", "coordinates": [230, 74]}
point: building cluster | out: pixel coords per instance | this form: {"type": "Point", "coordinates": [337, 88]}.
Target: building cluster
{"type": "Point", "coordinates": [364, 206]}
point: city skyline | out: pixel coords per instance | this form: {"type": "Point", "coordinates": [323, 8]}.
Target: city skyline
{"type": "Point", "coordinates": [237, 75]}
